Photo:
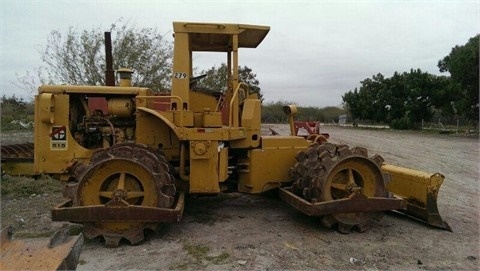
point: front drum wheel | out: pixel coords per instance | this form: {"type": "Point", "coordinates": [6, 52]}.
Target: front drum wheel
{"type": "Point", "coordinates": [326, 172]}
{"type": "Point", "coordinates": [125, 174]}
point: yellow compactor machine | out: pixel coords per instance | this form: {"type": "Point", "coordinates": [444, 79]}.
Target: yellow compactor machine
{"type": "Point", "coordinates": [128, 163]}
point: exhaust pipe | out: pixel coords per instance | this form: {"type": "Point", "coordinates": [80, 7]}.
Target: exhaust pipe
{"type": "Point", "coordinates": [109, 72]}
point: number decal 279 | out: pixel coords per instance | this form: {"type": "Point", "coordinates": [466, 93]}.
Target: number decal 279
{"type": "Point", "coordinates": [180, 75]}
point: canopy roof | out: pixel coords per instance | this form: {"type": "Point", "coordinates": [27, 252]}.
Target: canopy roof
{"type": "Point", "coordinates": [218, 36]}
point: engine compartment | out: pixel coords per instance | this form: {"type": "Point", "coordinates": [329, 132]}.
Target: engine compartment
{"type": "Point", "coordinates": [100, 122]}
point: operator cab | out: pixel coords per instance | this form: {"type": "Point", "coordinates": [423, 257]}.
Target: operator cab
{"type": "Point", "coordinates": [190, 37]}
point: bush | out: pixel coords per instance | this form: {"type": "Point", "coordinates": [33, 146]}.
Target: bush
{"type": "Point", "coordinates": [401, 124]}
{"type": "Point", "coordinates": [16, 114]}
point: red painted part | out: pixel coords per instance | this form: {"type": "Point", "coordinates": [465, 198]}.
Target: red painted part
{"type": "Point", "coordinates": [100, 103]}
{"type": "Point", "coordinates": [224, 111]}
{"type": "Point", "coordinates": [161, 104]}
{"type": "Point", "coordinates": [312, 127]}
{"type": "Point", "coordinates": [97, 103]}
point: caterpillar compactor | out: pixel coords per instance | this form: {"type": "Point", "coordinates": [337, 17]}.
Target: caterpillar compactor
{"type": "Point", "coordinates": [128, 155]}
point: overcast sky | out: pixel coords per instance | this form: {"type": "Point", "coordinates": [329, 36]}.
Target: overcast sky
{"type": "Point", "coordinates": [315, 51]}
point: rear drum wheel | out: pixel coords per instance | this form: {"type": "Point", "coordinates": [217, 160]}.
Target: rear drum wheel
{"type": "Point", "coordinates": [125, 174]}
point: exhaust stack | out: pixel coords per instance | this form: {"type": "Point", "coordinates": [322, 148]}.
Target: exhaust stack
{"type": "Point", "coordinates": [109, 72]}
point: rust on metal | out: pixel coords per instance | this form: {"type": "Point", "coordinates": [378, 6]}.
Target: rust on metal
{"type": "Point", "coordinates": [343, 184]}
{"type": "Point", "coordinates": [356, 202]}
{"type": "Point", "coordinates": [131, 213]}
{"type": "Point", "coordinates": [17, 159]}
{"type": "Point", "coordinates": [17, 152]}
{"type": "Point", "coordinates": [125, 189]}
{"type": "Point", "coordinates": [61, 252]}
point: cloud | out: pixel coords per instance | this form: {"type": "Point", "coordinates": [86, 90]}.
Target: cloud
{"type": "Point", "coordinates": [315, 52]}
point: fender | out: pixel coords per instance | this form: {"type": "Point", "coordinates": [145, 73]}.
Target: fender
{"type": "Point", "coordinates": [175, 129]}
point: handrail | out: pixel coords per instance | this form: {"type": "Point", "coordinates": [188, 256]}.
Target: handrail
{"type": "Point", "coordinates": [234, 101]}
{"type": "Point", "coordinates": [161, 97]}
{"type": "Point", "coordinates": [180, 101]}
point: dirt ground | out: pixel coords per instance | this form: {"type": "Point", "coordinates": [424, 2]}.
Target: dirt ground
{"type": "Point", "coordinates": [246, 232]}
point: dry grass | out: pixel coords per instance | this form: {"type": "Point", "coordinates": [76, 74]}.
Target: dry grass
{"type": "Point", "coordinates": [22, 187]}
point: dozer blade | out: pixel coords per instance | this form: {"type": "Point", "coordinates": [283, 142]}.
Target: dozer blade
{"type": "Point", "coordinates": [420, 190]}
{"type": "Point", "coordinates": [61, 252]}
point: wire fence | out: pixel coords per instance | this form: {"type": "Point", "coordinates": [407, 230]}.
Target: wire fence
{"type": "Point", "coordinates": [442, 125]}
{"type": "Point", "coordinates": [458, 125]}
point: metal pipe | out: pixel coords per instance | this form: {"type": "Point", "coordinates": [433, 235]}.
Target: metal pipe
{"type": "Point", "coordinates": [292, 125]}
{"type": "Point", "coordinates": [109, 72]}
{"type": "Point", "coordinates": [85, 107]}
{"type": "Point", "coordinates": [291, 111]}
{"type": "Point", "coordinates": [181, 173]}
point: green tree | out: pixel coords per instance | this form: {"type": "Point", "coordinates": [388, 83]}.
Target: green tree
{"type": "Point", "coordinates": [394, 95]}
{"type": "Point", "coordinates": [216, 79]}
{"type": "Point", "coordinates": [402, 101]}
{"type": "Point", "coordinates": [272, 112]}
{"type": "Point", "coordinates": [350, 103]}
{"type": "Point", "coordinates": [420, 93]}
{"type": "Point", "coordinates": [309, 113]}
{"type": "Point", "coordinates": [366, 103]}
{"type": "Point", "coordinates": [325, 114]}
{"type": "Point", "coordinates": [447, 96]}
{"type": "Point", "coordinates": [77, 57]}
{"type": "Point", "coordinates": [462, 64]}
